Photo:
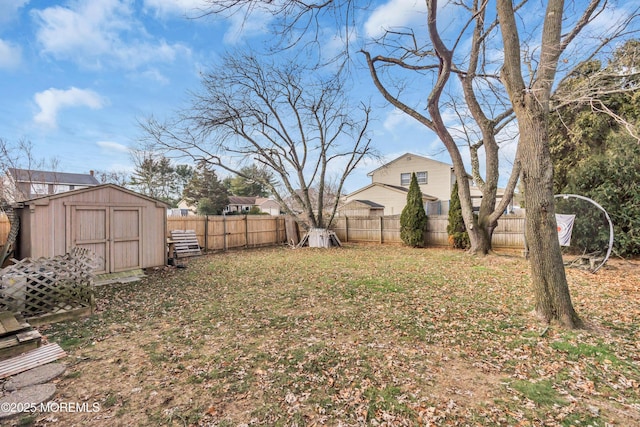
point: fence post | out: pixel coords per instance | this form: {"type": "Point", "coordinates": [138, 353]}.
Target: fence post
{"type": "Point", "coordinates": [346, 228]}
{"type": "Point", "coordinates": [224, 232]}
{"type": "Point", "coordinates": [246, 231]}
{"type": "Point", "coordinates": [206, 233]}
{"type": "Point", "coordinates": [381, 238]}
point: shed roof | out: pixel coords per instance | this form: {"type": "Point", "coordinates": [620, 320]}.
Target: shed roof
{"type": "Point", "coordinates": [370, 204]}
{"type": "Point", "coordinates": [27, 175]}
{"type": "Point", "coordinates": [37, 200]}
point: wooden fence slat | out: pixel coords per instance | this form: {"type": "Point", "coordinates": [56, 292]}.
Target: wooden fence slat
{"type": "Point", "coordinates": [219, 232]}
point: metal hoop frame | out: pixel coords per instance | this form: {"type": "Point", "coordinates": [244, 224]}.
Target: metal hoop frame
{"type": "Point", "coordinates": [566, 196]}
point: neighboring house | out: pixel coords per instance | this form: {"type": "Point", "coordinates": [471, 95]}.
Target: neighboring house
{"type": "Point", "coordinates": [392, 199]}
{"type": "Point", "coordinates": [183, 209]}
{"type": "Point", "coordinates": [361, 208]}
{"type": "Point", "coordinates": [435, 178]}
{"type": "Point", "coordinates": [24, 184]}
{"type": "Point", "coordinates": [240, 204]}
{"type": "Point", "coordinates": [269, 206]}
{"type": "Point", "coordinates": [390, 184]}
{"type": "Point", "coordinates": [236, 204]}
{"type": "Point", "coordinates": [243, 204]}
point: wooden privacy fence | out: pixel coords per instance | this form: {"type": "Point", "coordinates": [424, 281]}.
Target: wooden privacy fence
{"type": "Point", "coordinates": [386, 229]}
{"type": "Point", "coordinates": [222, 232]}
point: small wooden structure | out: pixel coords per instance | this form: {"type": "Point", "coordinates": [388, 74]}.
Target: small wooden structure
{"type": "Point", "coordinates": [184, 243]}
{"type": "Point", "coordinates": [49, 289]}
{"type": "Point", "coordinates": [126, 230]}
{"type": "Point", "coordinates": [16, 335]}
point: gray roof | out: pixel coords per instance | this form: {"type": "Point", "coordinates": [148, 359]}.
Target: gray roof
{"type": "Point", "coordinates": [26, 175]}
{"type": "Point", "coordinates": [371, 204]}
{"type": "Point", "coordinates": [242, 200]}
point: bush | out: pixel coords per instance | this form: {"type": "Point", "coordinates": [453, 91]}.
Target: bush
{"type": "Point", "coordinates": [413, 220]}
{"type": "Point", "coordinates": [611, 179]}
{"type": "Point", "coordinates": [458, 236]}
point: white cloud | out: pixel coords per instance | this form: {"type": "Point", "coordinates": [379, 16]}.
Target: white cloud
{"type": "Point", "coordinates": [111, 146]}
{"type": "Point", "coordinates": [247, 24]}
{"type": "Point", "coordinates": [95, 34]}
{"type": "Point", "coordinates": [153, 74]}
{"type": "Point", "coordinates": [394, 14]}
{"type": "Point", "coordinates": [396, 119]}
{"type": "Point", "coordinates": [51, 101]}
{"type": "Point", "coordinates": [10, 55]}
{"type": "Point", "coordinates": [176, 7]}
{"type": "Point", "coordinates": [9, 9]}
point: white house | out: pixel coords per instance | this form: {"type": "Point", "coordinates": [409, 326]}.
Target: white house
{"type": "Point", "coordinates": [24, 184]}
{"type": "Point", "coordinates": [390, 184]}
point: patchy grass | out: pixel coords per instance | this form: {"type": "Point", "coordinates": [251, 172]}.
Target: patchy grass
{"type": "Point", "coordinates": [361, 335]}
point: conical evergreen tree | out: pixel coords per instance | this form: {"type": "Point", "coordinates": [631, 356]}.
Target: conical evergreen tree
{"type": "Point", "coordinates": [458, 236]}
{"type": "Point", "coordinates": [413, 220]}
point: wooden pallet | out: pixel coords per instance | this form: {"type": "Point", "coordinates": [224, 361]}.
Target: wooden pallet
{"type": "Point", "coordinates": [185, 243]}
{"type": "Point", "coordinates": [16, 335]}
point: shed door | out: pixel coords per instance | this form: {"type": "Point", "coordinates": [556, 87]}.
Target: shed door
{"type": "Point", "coordinates": [112, 233]}
{"type": "Point", "coordinates": [126, 239]}
{"type": "Point", "coordinates": [89, 228]}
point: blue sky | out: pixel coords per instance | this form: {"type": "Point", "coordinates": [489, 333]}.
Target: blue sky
{"type": "Point", "coordinates": [76, 76]}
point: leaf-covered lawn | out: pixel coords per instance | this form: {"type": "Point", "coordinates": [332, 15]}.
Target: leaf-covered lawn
{"type": "Point", "coordinates": [360, 335]}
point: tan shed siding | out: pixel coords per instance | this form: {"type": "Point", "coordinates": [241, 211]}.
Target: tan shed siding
{"type": "Point", "coordinates": [43, 233]}
{"type": "Point", "coordinates": [154, 235]}
{"type": "Point", "coordinates": [87, 216]}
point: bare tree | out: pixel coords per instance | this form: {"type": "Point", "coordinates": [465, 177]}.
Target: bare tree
{"type": "Point", "coordinates": [15, 156]}
{"type": "Point", "coordinates": [297, 126]}
{"type": "Point", "coordinates": [118, 177]}
{"type": "Point", "coordinates": [519, 86]}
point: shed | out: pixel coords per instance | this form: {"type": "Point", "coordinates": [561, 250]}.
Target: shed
{"type": "Point", "coordinates": [125, 229]}
{"type": "Point", "coordinates": [361, 208]}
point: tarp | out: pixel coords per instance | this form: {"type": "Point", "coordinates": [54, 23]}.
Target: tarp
{"type": "Point", "coordinates": [565, 227]}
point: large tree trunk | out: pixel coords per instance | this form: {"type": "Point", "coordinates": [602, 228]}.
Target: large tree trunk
{"type": "Point", "coordinates": [552, 298]}
{"type": "Point", "coordinates": [531, 106]}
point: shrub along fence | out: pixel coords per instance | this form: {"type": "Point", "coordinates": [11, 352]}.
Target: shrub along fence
{"type": "Point", "coordinates": [386, 229]}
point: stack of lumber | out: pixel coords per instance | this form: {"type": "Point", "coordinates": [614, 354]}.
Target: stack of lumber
{"type": "Point", "coordinates": [16, 335]}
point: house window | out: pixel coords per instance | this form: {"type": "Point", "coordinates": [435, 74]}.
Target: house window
{"type": "Point", "coordinates": [405, 178]}
{"type": "Point", "coordinates": [39, 189]}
